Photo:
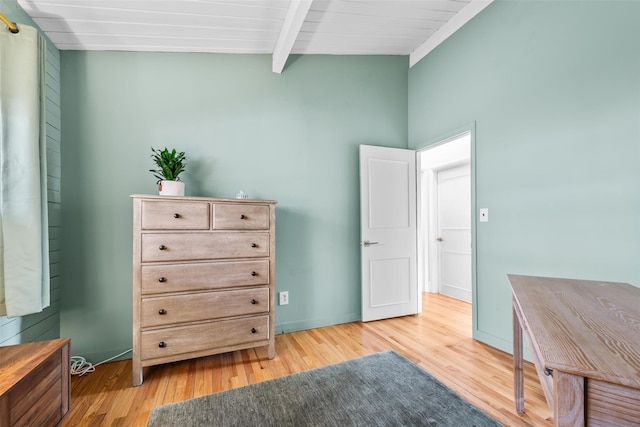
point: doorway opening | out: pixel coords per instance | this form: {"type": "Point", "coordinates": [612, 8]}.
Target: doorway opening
{"type": "Point", "coordinates": [445, 218]}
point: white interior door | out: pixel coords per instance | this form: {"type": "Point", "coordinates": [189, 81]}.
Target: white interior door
{"type": "Point", "coordinates": [454, 231]}
{"type": "Point", "coordinates": [388, 232]}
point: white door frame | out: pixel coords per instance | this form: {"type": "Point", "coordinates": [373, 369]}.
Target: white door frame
{"type": "Point", "coordinates": [423, 204]}
{"type": "Point", "coordinates": [452, 152]}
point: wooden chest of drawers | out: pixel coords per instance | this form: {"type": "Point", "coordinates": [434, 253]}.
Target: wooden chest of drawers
{"type": "Point", "coordinates": [34, 383]}
{"type": "Point", "coordinates": [203, 278]}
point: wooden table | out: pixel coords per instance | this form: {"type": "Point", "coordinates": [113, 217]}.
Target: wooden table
{"type": "Point", "coordinates": [34, 383]}
{"type": "Point", "coordinates": [584, 338]}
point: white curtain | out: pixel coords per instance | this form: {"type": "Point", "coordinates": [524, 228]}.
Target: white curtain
{"type": "Point", "coordinates": [24, 236]}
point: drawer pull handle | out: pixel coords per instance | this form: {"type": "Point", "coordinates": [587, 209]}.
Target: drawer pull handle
{"type": "Point", "coordinates": [243, 217]}
{"type": "Point", "coordinates": [254, 330]}
{"type": "Point", "coordinates": [254, 301]}
{"type": "Point", "coordinates": [162, 344]}
{"type": "Point", "coordinates": [162, 311]}
{"type": "Point", "coordinates": [162, 247]}
{"type": "Point", "coordinates": [162, 279]}
{"type": "Point", "coordinates": [176, 215]}
{"type": "Point", "coordinates": [253, 273]}
{"type": "Point", "coordinates": [548, 372]}
{"type": "Point", "coordinates": [254, 245]}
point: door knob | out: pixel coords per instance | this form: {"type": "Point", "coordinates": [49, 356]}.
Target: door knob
{"type": "Point", "coordinates": [368, 243]}
{"type": "Point", "coordinates": [440, 239]}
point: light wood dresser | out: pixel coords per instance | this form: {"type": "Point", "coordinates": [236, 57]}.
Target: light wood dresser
{"type": "Point", "coordinates": [203, 278]}
{"type": "Point", "coordinates": [584, 338]}
{"type": "Point", "coordinates": [34, 383]}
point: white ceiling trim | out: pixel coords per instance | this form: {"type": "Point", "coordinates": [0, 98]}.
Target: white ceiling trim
{"type": "Point", "coordinates": [465, 15]}
{"type": "Point", "coordinates": [289, 33]}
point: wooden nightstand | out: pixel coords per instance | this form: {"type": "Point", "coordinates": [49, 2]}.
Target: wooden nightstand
{"type": "Point", "coordinates": [34, 386]}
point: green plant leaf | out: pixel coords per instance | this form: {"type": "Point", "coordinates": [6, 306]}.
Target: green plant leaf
{"type": "Point", "coordinates": [170, 164]}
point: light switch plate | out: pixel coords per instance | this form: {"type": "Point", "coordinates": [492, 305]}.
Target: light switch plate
{"type": "Point", "coordinates": [484, 215]}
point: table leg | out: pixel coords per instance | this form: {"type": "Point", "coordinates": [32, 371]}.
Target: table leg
{"type": "Point", "coordinates": [518, 372]}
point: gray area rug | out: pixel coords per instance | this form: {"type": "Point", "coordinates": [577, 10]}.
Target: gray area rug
{"type": "Point", "coordinates": [382, 389]}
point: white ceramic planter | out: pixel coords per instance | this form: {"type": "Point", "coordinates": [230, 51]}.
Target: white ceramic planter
{"type": "Point", "coordinates": [171, 188]}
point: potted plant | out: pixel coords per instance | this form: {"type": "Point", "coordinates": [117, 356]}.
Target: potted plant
{"type": "Point", "coordinates": [170, 165]}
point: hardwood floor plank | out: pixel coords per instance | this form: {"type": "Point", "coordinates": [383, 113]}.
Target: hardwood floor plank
{"type": "Point", "coordinates": [439, 340]}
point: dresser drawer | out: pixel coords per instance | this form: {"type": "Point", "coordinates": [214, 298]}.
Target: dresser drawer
{"type": "Point", "coordinates": [175, 216]}
{"type": "Point", "coordinates": [164, 278]}
{"type": "Point", "coordinates": [202, 246]}
{"type": "Point", "coordinates": [240, 217]}
{"type": "Point", "coordinates": [170, 310]}
{"type": "Point", "coordinates": [204, 336]}
{"type": "Point", "coordinates": [609, 404]}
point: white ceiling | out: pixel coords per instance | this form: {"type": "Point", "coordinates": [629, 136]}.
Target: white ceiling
{"type": "Point", "coordinates": [276, 27]}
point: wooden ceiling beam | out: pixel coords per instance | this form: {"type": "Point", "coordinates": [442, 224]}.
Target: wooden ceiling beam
{"type": "Point", "coordinates": [296, 14]}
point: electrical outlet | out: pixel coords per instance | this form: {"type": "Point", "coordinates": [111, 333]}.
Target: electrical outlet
{"type": "Point", "coordinates": [284, 297]}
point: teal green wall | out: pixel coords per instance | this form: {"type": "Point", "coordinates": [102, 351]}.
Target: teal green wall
{"type": "Point", "coordinates": [292, 137]}
{"type": "Point", "coordinates": [554, 90]}
{"type": "Point", "coordinates": [46, 324]}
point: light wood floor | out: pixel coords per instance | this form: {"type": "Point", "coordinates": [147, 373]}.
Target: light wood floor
{"type": "Point", "coordinates": [439, 340]}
